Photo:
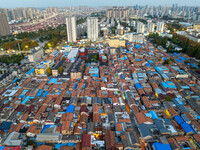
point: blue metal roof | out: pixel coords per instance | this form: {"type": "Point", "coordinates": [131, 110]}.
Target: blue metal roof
{"type": "Point", "coordinates": [138, 86]}
{"type": "Point", "coordinates": [176, 54]}
{"type": "Point", "coordinates": [147, 64]}
{"type": "Point", "coordinates": [45, 127]}
{"type": "Point", "coordinates": [153, 114]}
{"type": "Point", "coordinates": [14, 80]}
{"type": "Point", "coordinates": [138, 60]}
{"type": "Point", "coordinates": [150, 61]}
{"type": "Point", "coordinates": [95, 75]}
{"type": "Point", "coordinates": [178, 60]}
{"type": "Point", "coordinates": [39, 93]}
{"type": "Point", "coordinates": [161, 146]}
{"type": "Point", "coordinates": [168, 84]}
{"type": "Point", "coordinates": [186, 127]}
{"type": "Point", "coordinates": [58, 146]}
{"type": "Point", "coordinates": [137, 46]}
{"type": "Point", "coordinates": [30, 71]}
{"type": "Point", "coordinates": [94, 70]}
{"type": "Point", "coordinates": [70, 108]}
{"type": "Point", "coordinates": [5, 125]}
{"type": "Point", "coordinates": [179, 119]}
{"type": "Point", "coordinates": [122, 76]}
{"type": "Point", "coordinates": [45, 93]}
{"type": "Point", "coordinates": [75, 85]}
{"type": "Point", "coordinates": [53, 80]}
{"type": "Point", "coordinates": [25, 100]}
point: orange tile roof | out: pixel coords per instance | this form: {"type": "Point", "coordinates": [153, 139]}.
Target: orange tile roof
{"type": "Point", "coordinates": [109, 139]}
{"type": "Point", "coordinates": [197, 138]}
{"type": "Point", "coordinates": [141, 118]}
{"type": "Point", "coordinates": [77, 128]}
{"type": "Point", "coordinates": [119, 127]}
{"type": "Point", "coordinates": [66, 117]}
{"type": "Point", "coordinates": [41, 85]}
{"type": "Point", "coordinates": [32, 129]}
{"type": "Point", "coordinates": [181, 138]}
{"type": "Point", "coordinates": [44, 147]}
{"type": "Point", "coordinates": [24, 117]}
{"type": "Point", "coordinates": [96, 117]}
{"type": "Point", "coordinates": [172, 111]}
{"type": "Point", "coordinates": [115, 100]}
{"type": "Point", "coordinates": [66, 125]}
{"type": "Point", "coordinates": [66, 148]}
{"type": "Point", "coordinates": [95, 108]}
{"type": "Point", "coordinates": [18, 127]}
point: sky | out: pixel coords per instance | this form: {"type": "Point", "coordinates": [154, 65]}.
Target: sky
{"type": "Point", "coordinates": [62, 3]}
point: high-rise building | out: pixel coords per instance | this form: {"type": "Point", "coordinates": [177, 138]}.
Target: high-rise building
{"type": "Point", "coordinates": [120, 29]}
{"type": "Point", "coordinates": [140, 27]}
{"type": "Point", "coordinates": [92, 28]}
{"type": "Point", "coordinates": [51, 10]}
{"type": "Point", "coordinates": [150, 27]}
{"type": "Point", "coordinates": [160, 27]}
{"type": "Point", "coordinates": [109, 13]}
{"type": "Point", "coordinates": [6, 12]}
{"type": "Point", "coordinates": [4, 26]}
{"type": "Point", "coordinates": [71, 29]}
{"type": "Point", "coordinates": [117, 12]}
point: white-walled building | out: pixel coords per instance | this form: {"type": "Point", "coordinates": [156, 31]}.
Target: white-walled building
{"type": "Point", "coordinates": [71, 29]}
{"type": "Point", "coordinates": [160, 27]}
{"type": "Point", "coordinates": [92, 28]}
{"type": "Point", "coordinates": [150, 27]}
{"type": "Point", "coordinates": [140, 27]}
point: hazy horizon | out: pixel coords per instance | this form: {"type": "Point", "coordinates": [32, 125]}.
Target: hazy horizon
{"type": "Point", "coordinates": [96, 3]}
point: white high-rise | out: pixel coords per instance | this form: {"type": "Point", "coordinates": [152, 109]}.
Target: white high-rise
{"type": "Point", "coordinates": [150, 27]}
{"type": "Point", "coordinates": [140, 27]}
{"type": "Point", "coordinates": [71, 29]}
{"type": "Point", "coordinates": [92, 28]}
{"type": "Point", "coordinates": [160, 27]}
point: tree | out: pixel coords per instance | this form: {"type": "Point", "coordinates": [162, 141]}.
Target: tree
{"type": "Point", "coordinates": [60, 70]}
{"type": "Point", "coordinates": [63, 58]}
{"type": "Point", "coordinates": [49, 70]}
{"type": "Point", "coordinates": [199, 64]}
{"type": "Point", "coordinates": [11, 59]}
{"type": "Point", "coordinates": [96, 57]}
{"type": "Point", "coordinates": [33, 44]}
{"type": "Point", "coordinates": [168, 61]}
{"type": "Point", "coordinates": [31, 142]}
{"type": "Point", "coordinates": [186, 62]}
{"type": "Point", "coordinates": [167, 98]}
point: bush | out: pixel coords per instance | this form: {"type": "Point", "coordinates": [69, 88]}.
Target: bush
{"type": "Point", "coordinates": [167, 98]}
{"type": "Point", "coordinates": [60, 70]}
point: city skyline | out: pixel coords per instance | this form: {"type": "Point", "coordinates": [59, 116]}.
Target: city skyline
{"type": "Point", "coordinates": [61, 3]}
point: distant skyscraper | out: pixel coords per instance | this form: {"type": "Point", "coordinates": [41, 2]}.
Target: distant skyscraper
{"type": "Point", "coordinates": [150, 27]}
{"type": "Point", "coordinates": [160, 27]}
{"type": "Point", "coordinates": [51, 10]}
{"type": "Point", "coordinates": [71, 29]}
{"type": "Point", "coordinates": [109, 13]}
{"type": "Point", "coordinates": [140, 27]}
{"type": "Point", "coordinates": [117, 12]}
{"type": "Point", "coordinates": [4, 26]}
{"type": "Point", "coordinates": [92, 28]}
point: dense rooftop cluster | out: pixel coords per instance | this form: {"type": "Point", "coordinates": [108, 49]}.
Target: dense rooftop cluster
{"type": "Point", "coordinates": [121, 98]}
